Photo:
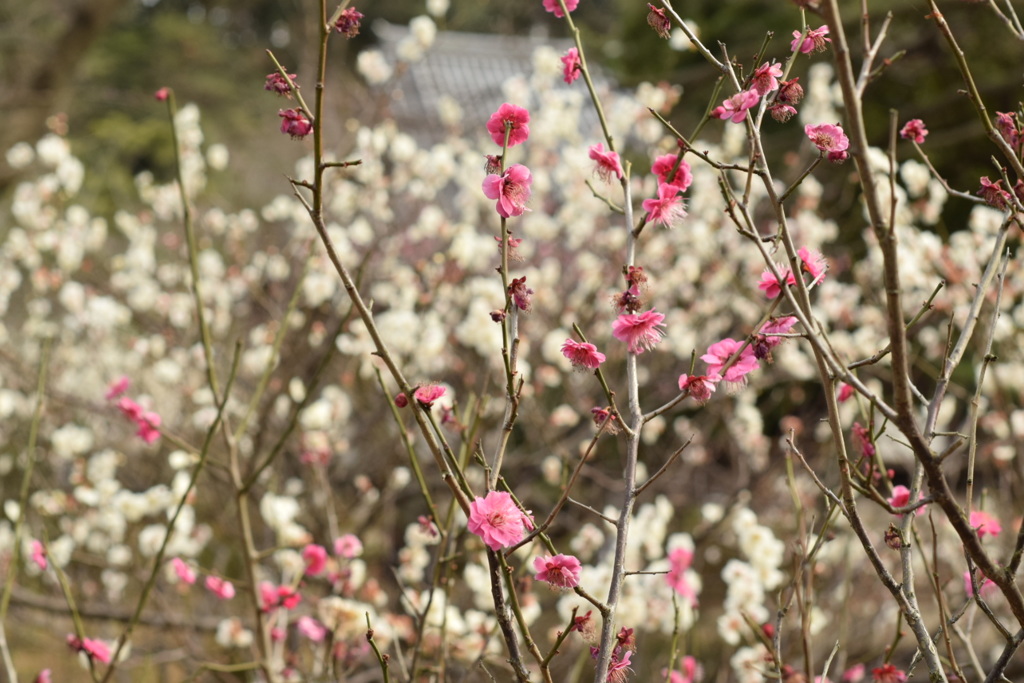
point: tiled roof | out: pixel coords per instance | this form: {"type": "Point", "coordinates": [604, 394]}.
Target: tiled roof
{"type": "Point", "coordinates": [468, 67]}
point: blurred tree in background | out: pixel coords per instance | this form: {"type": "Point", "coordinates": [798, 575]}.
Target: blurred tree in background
{"type": "Point", "coordinates": [96, 63]}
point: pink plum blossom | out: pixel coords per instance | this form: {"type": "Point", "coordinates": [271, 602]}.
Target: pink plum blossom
{"type": "Point", "coordinates": [43, 677]}
{"type": "Point", "coordinates": [38, 553]}
{"type": "Point", "coordinates": [718, 355]}
{"type": "Point", "coordinates": [571, 65]}
{"type": "Point", "coordinates": [657, 20]}
{"type": "Point", "coordinates": [94, 649]}
{"type": "Point", "coordinates": [691, 671]}
{"type": "Point", "coordinates": [770, 284]}
{"type": "Point", "coordinates": [562, 571]}
{"type": "Point", "coordinates": [830, 140]}
{"type": "Point", "coordinates": [428, 393]}
{"type": "Point", "coordinates": [184, 572]}
{"type": "Point", "coordinates": [994, 194]}
{"type": "Point", "coordinates": [279, 85]}
{"type": "Point", "coordinates": [295, 123]}
{"type": "Point", "coordinates": [888, 673]}
{"type": "Point", "coordinates": [348, 546]}
{"type": "Point", "coordinates": [986, 586]}
{"type": "Point", "coordinates": [914, 130]}
{"type": "Point", "coordinates": [222, 588]}
{"type": "Point", "coordinates": [607, 162]}
{"type": "Point", "coordinates": [985, 524]}
{"type": "Point", "coordinates": [699, 387]}
{"type": "Point", "coordinates": [311, 628]}
{"type": "Point", "coordinates": [556, 9]}
{"type": "Point", "coordinates": [679, 561]}
{"type": "Point", "coordinates": [520, 293]}
{"type": "Point", "coordinates": [845, 392]}
{"type": "Point", "coordinates": [814, 41]}
{"type": "Point", "coordinates": [497, 520]}
{"type": "Point", "coordinates": [667, 209]}
{"type": "Point", "coordinates": [516, 118]}
{"type": "Point", "coordinates": [900, 498]}
{"type": "Point", "coordinates": [511, 189]}
{"type": "Point", "coordinates": [639, 330]}
{"type": "Point", "coordinates": [582, 355]}
{"type": "Point", "coordinates": [766, 78]}
{"type": "Point", "coordinates": [735, 108]}
{"type": "Point", "coordinates": [662, 167]}
{"type": "Point", "coordinates": [348, 22]}
{"type": "Point", "coordinates": [117, 388]}
{"type": "Point", "coordinates": [813, 263]}
{"type": "Point", "coordinates": [777, 326]}
{"type": "Point", "coordinates": [315, 557]}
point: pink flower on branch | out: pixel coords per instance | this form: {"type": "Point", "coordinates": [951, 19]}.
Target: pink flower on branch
{"type": "Point", "coordinates": [582, 355]}
{"type": "Point", "coordinates": [117, 388]}
{"type": "Point", "coordinates": [521, 294]}
{"type": "Point", "coordinates": [721, 352]}
{"type": "Point", "coordinates": [348, 22]}
{"type": "Point", "coordinates": [562, 571]}
{"type": "Point", "coordinates": [667, 209]}
{"type": "Point", "coordinates": [311, 628]}
{"type": "Point", "coordinates": [766, 78]}
{"type": "Point", "coordinates": [511, 189]}
{"type": "Point", "coordinates": [888, 674]}
{"type": "Point", "coordinates": [427, 394]}
{"type": "Point", "coordinates": [516, 119]}
{"type": "Point", "coordinates": [38, 553]}
{"type": "Point", "coordinates": [699, 387]}
{"type": "Point", "coordinates": [914, 130]}
{"type": "Point", "coordinates": [813, 263]}
{"type": "Point", "coordinates": [679, 560]}
{"type": "Point", "coordinates": [348, 546]}
{"type": "Point", "coordinates": [985, 524]}
{"type": "Point", "coordinates": [278, 84]}
{"type": "Point", "coordinates": [94, 649]}
{"type": "Point", "coordinates": [900, 498]}
{"type": "Point", "coordinates": [556, 9]}
{"type": "Point", "coordinates": [295, 123]}
{"type": "Point", "coordinates": [571, 65]}
{"type": "Point", "coordinates": [184, 572]}
{"type": "Point", "coordinates": [830, 140]}
{"type": "Point", "coordinates": [608, 163]}
{"type": "Point", "coordinates": [994, 194]}
{"type": "Point", "coordinates": [663, 166]}
{"type": "Point", "coordinates": [315, 557]}
{"type": "Point", "coordinates": [497, 520]}
{"type": "Point", "coordinates": [657, 20]}
{"type": "Point", "coordinates": [814, 41]}
{"type": "Point", "coordinates": [735, 108]}
{"type": "Point", "coordinates": [770, 284]}
{"type": "Point", "coordinates": [222, 588]}
{"type": "Point", "coordinates": [639, 330]}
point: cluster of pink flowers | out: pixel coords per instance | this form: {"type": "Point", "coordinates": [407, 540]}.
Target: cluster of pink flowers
{"type": "Point", "coordinates": [812, 262]}
{"type": "Point", "coordinates": [222, 588]}
{"type": "Point", "coordinates": [497, 520]}
{"type": "Point", "coordinates": [691, 671]}
{"type": "Point", "coordinates": [511, 187]}
{"type": "Point", "coordinates": [763, 81]}
{"type": "Point", "coordinates": [147, 421]}
{"type": "Point", "coordinates": [679, 561]}
{"type": "Point", "coordinates": [424, 395]}
{"type": "Point", "coordinates": [272, 597]}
